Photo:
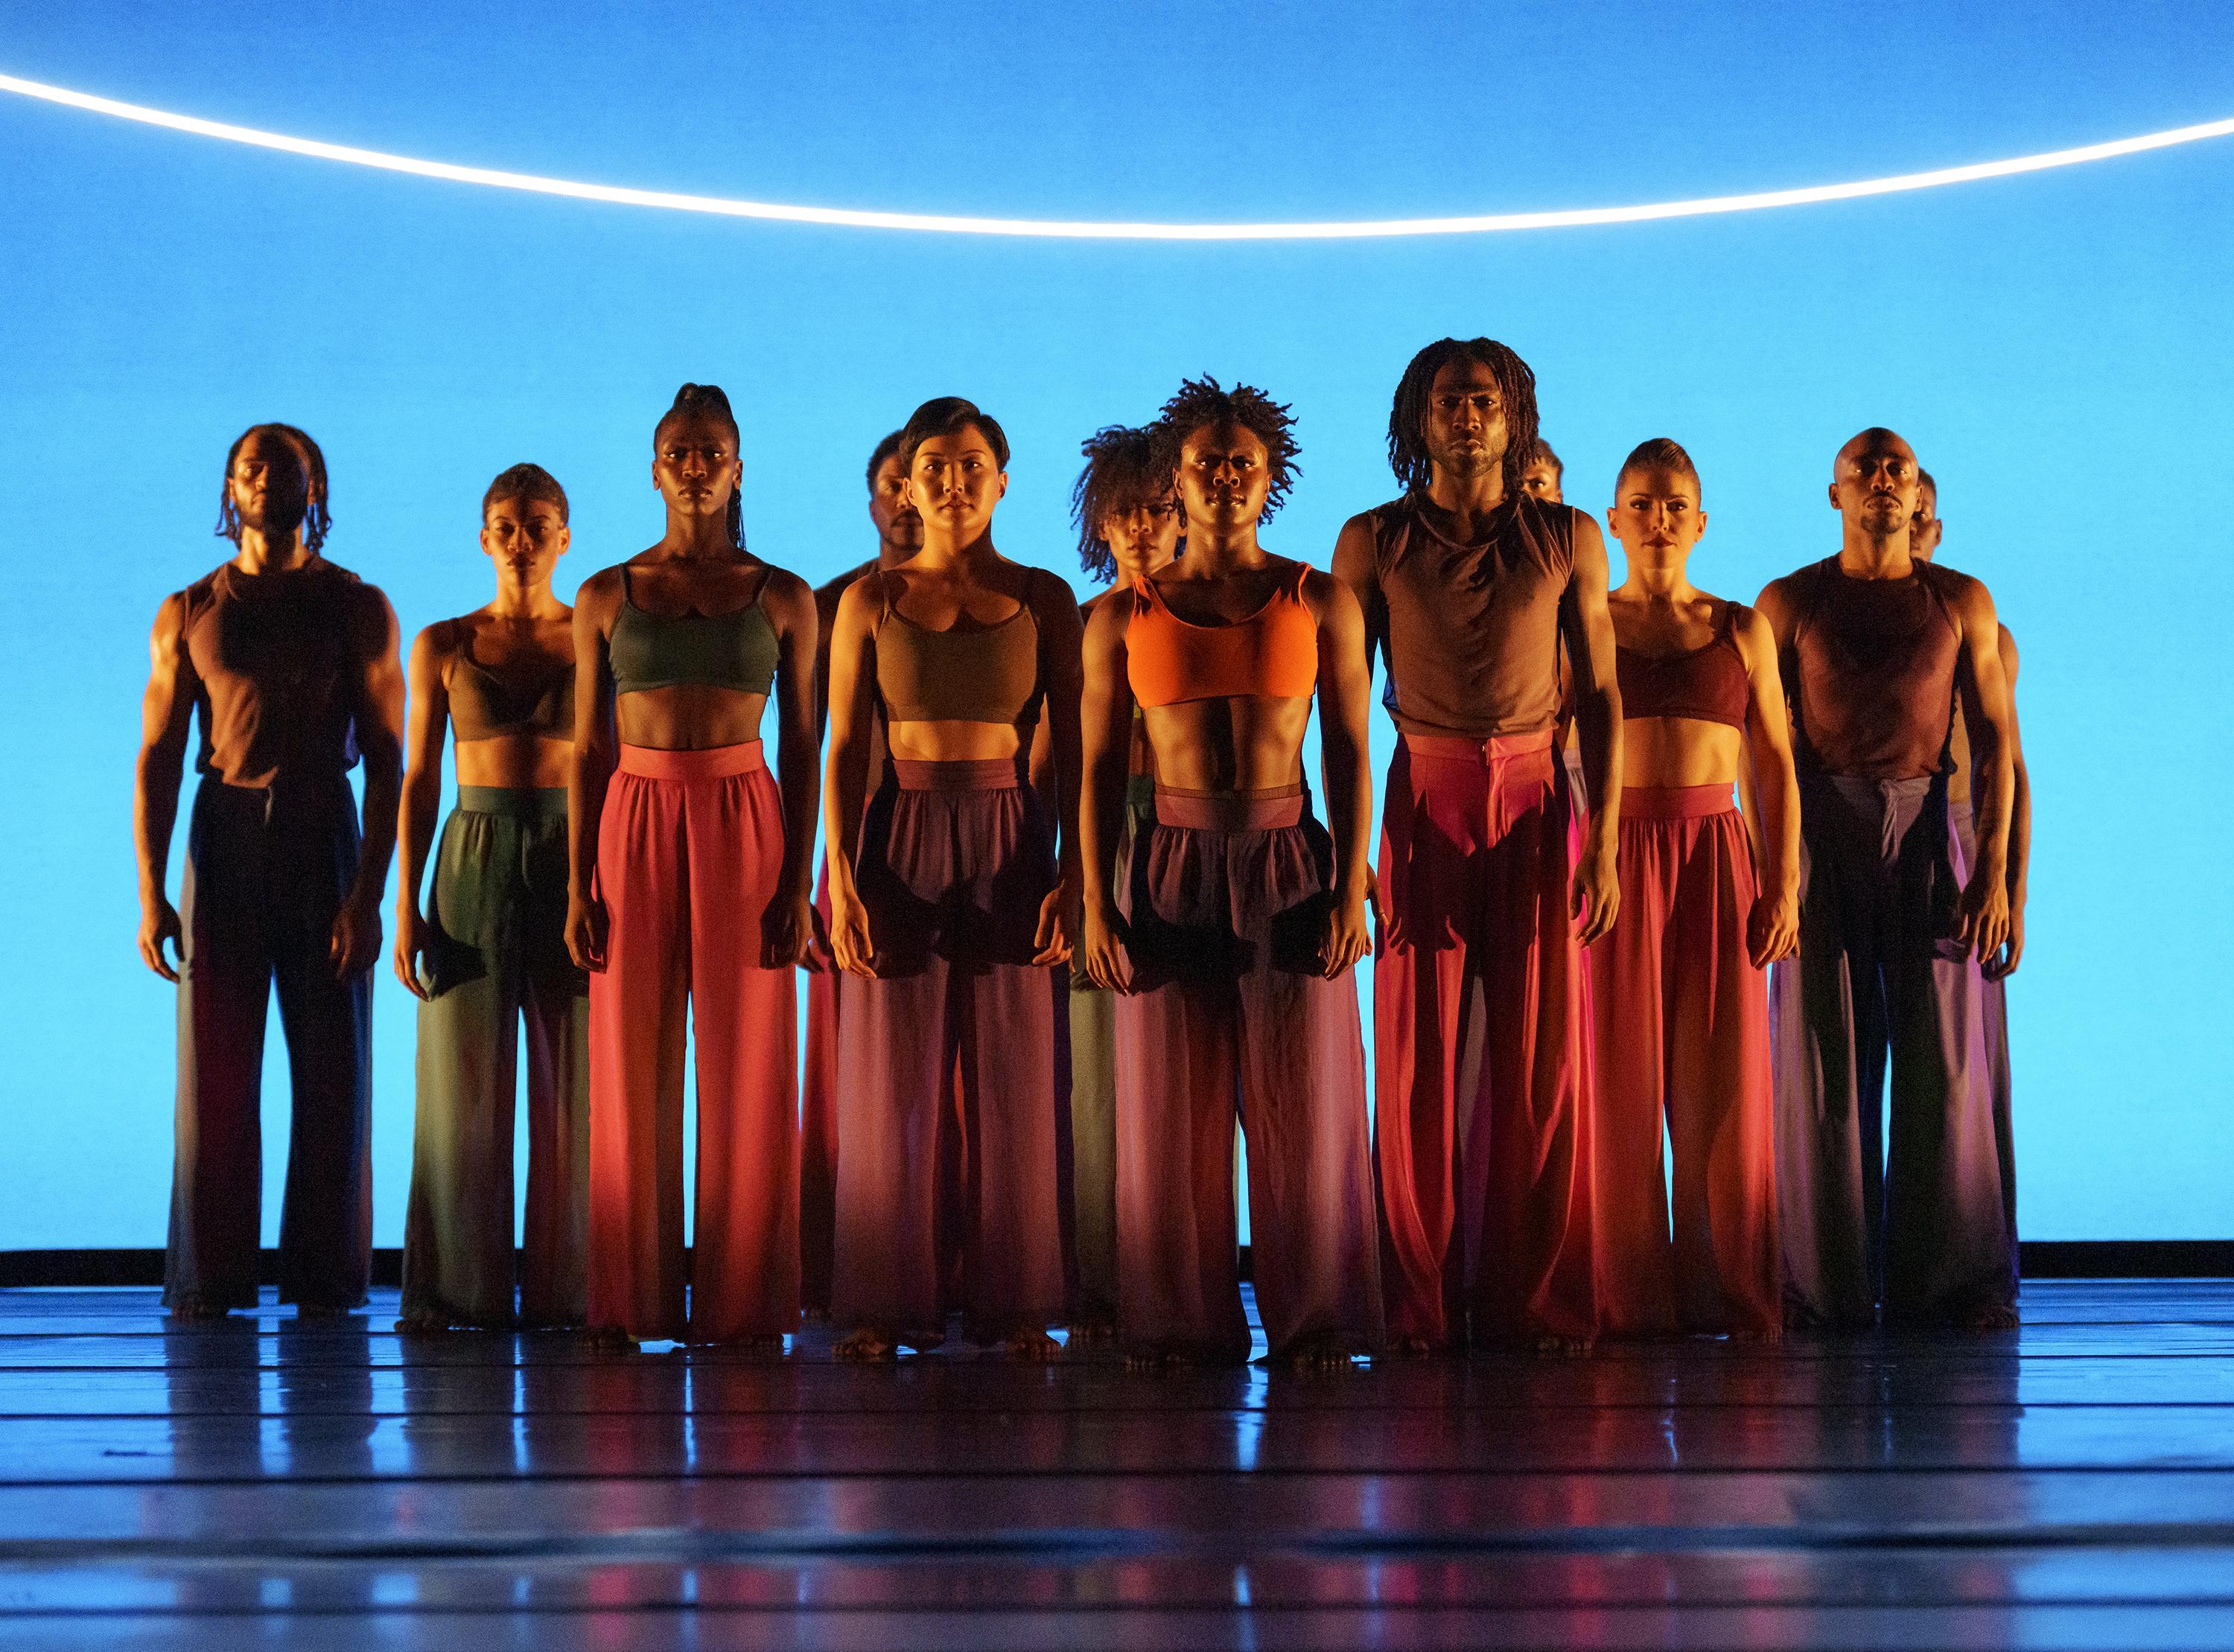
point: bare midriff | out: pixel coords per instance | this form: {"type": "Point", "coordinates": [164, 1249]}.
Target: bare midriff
{"type": "Point", "coordinates": [1247, 742]}
{"type": "Point", "coordinates": [1679, 751]}
{"type": "Point", "coordinates": [513, 762]}
{"type": "Point", "coordinates": [948, 739]}
{"type": "Point", "coordinates": [688, 716]}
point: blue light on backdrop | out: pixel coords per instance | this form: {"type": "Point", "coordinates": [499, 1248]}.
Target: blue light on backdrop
{"type": "Point", "coordinates": [2055, 345]}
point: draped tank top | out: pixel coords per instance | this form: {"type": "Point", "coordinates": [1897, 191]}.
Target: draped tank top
{"type": "Point", "coordinates": [1473, 630]}
{"type": "Point", "coordinates": [966, 673]}
{"type": "Point", "coordinates": [1708, 684]}
{"type": "Point", "coordinates": [276, 659]}
{"type": "Point", "coordinates": [1871, 670]}
{"type": "Point", "coordinates": [736, 648]}
{"type": "Point", "coordinates": [1274, 651]}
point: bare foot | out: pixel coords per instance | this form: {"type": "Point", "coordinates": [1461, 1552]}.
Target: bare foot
{"type": "Point", "coordinates": [1993, 1318]}
{"type": "Point", "coordinates": [1412, 1348]}
{"type": "Point", "coordinates": [1758, 1336]}
{"type": "Point", "coordinates": [1160, 1360]}
{"type": "Point", "coordinates": [1031, 1345]}
{"type": "Point", "coordinates": [609, 1339]}
{"type": "Point", "coordinates": [422, 1323]}
{"type": "Point", "coordinates": [867, 1345]}
{"type": "Point", "coordinates": [197, 1309]}
{"type": "Point", "coordinates": [1092, 1330]}
{"type": "Point", "coordinates": [1318, 1354]}
{"type": "Point", "coordinates": [1560, 1346]}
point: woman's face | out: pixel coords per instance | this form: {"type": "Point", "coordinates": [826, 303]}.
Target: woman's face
{"type": "Point", "coordinates": [1144, 537]}
{"type": "Point", "coordinates": [524, 537]}
{"type": "Point", "coordinates": [1656, 515]}
{"type": "Point", "coordinates": [695, 464]}
{"type": "Point", "coordinates": [954, 482]}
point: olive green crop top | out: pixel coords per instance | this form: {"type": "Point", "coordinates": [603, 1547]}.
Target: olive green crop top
{"type": "Point", "coordinates": [980, 674]}
{"type": "Point", "coordinates": [735, 650]}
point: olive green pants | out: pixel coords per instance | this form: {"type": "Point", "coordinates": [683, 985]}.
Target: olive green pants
{"type": "Point", "coordinates": [498, 957]}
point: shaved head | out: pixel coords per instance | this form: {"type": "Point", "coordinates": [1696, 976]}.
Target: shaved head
{"type": "Point", "coordinates": [1873, 485]}
{"type": "Point", "coordinates": [1874, 440]}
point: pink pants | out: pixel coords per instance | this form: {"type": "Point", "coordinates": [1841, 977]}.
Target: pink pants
{"type": "Point", "coordinates": [690, 850]}
{"type": "Point", "coordinates": [1681, 1016]}
{"type": "Point", "coordinates": [818, 1121]}
{"type": "Point", "coordinates": [1480, 1019]}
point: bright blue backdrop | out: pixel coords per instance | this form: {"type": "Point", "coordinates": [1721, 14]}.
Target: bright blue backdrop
{"type": "Point", "coordinates": [2056, 347]}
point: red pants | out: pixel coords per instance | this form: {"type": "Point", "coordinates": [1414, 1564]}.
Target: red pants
{"type": "Point", "coordinates": [947, 1184]}
{"type": "Point", "coordinates": [1681, 1016]}
{"type": "Point", "coordinates": [1481, 1021]}
{"type": "Point", "coordinates": [689, 849]}
{"type": "Point", "coordinates": [817, 1120]}
{"type": "Point", "coordinates": [1226, 904]}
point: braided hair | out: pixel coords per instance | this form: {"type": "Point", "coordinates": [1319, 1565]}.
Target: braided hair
{"type": "Point", "coordinates": [1126, 467]}
{"type": "Point", "coordinates": [710, 402]}
{"type": "Point", "coordinates": [1516, 387]}
{"type": "Point", "coordinates": [1203, 401]}
{"type": "Point", "coordinates": [317, 520]}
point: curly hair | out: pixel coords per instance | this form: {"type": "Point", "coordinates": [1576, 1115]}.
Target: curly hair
{"type": "Point", "coordinates": [317, 521]}
{"type": "Point", "coordinates": [1203, 401]}
{"type": "Point", "coordinates": [1662, 453]}
{"type": "Point", "coordinates": [710, 402]}
{"type": "Point", "coordinates": [1127, 467]}
{"type": "Point", "coordinates": [529, 482]}
{"type": "Point", "coordinates": [1515, 386]}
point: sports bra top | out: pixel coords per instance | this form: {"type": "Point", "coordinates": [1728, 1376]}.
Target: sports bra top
{"type": "Point", "coordinates": [734, 649]}
{"type": "Point", "coordinates": [1274, 651]}
{"type": "Point", "coordinates": [483, 706]}
{"type": "Point", "coordinates": [963, 674]}
{"type": "Point", "coordinates": [1708, 683]}
{"type": "Point", "coordinates": [1870, 668]}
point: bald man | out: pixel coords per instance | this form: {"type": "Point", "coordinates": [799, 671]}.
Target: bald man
{"type": "Point", "coordinates": [1896, 919]}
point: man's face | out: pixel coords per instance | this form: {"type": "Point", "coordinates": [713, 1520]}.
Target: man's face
{"type": "Point", "coordinates": [1224, 477]}
{"type": "Point", "coordinates": [526, 536]}
{"type": "Point", "coordinates": [270, 485]}
{"type": "Point", "coordinates": [1927, 530]}
{"type": "Point", "coordinates": [1144, 537]}
{"type": "Point", "coordinates": [1874, 484]}
{"type": "Point", "coordinates": [899, 530]}
{"type": "Point", "coordinates": [1541, 479]}
{"type": "Point", "coordinates": [1464, 426]}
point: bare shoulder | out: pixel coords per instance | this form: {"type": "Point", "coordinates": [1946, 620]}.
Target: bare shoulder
{"type": "Point", "coordinates": [442, 641]}
{"type": "Point", "coordinates": [786, 587]}
{"type": "Point", "coordinates": [1327, 596]}
{"type": "Point", "coordinates": [2010, 654]}
{"type": "Point", "coordinates": [1106, 617]}
{"type": "Point", "coordinates": [1750, 630]}
{"type": "Point", "coordinates": [1353, 547]}
{"type": "Point", "coordinates": [171, 615]}
{"type": "Point", "coordinates": [859, 600]}
{"type": "Point", "coordinates": [1967, 595]}
{"type": "Point", "coordinates": [600, 594]}
{"type": "Point", "coordinates": [827, 594]}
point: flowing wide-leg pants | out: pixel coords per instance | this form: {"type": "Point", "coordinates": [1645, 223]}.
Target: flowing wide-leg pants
{"type": "Point", "coordinates": [498, 959]}
{"type": "Point", "coordinates": [1226, 905]}
{"type": "Point", "coordinates": [689, 854]}
{"type": "Point", "coordinates": [1994, 1001]}
{"type": "Point", "coordinates": [1916, 1221]}
{"type": "Point", "coordinates": [1681, 1019]}
{"type": "Point", "coordinates": [1481, 1034]}
{"type": "Point", "coordinates": [818, 1118]}
{"type": "Point", "coordinates": [947, 1187]}
{"type": "Point", "coordinates": [266, 872]}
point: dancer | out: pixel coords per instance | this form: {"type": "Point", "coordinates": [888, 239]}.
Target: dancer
{"type": "Point", "coordinates": [491, 951]}
{"type": "Point", "coordinates": [1491, 882]}
{"type": "Point", "coordinates": [1677, 989]}
{"type": "Point", "coordinates": [1237, 919]}
{"type": "Point", "coordinates": [1129, 527]}
{"type": "Point", "coordinates": [1542, 474]}
{"type": "Point", "coordinates": [689, 880]}
{"type": "Point", "coordinates": [1962, 784]}
{"type": "Point", "coordinates": [899, 536]}
{"type": "Point", "coordinates": [1874, 647]}
{"type": "Point", "coordinates": [946, 915]}
{"type": "Point", "coordinates": [291, 661]}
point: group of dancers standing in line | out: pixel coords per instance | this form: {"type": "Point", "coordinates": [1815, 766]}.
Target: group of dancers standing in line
{"type": "Point", "coordinates": [1079, 914]}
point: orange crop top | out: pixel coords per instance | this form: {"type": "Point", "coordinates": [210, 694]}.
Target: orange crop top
{"type": "Point", "coordinates": [1275, 651]}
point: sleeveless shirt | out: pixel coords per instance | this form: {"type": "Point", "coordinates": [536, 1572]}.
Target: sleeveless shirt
{"type": "Point", "coordinates": [1273, 651]}
{"type": "Point", "coordinates": [276, 658]}
{"type": "Point", "coordinates": [1708, 684]}
{"type": "Point", "coordinates": [1870, 668]}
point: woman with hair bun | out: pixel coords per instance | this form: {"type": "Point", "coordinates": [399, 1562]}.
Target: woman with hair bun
{"type": "Point", "coordinates": [690, 867]}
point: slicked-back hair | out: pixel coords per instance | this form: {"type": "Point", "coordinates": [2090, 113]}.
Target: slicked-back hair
{"type": "Point", "coordinates": [884, 450]}
{"type": "Point", "coordinates": [1662, 453]}
{"type": "Point", "coordinates": [317, 520]}
{"type": "Point", "coordinates": [710, 402]}
{"type": "Point", "coordinates": [1127, 467]}
{"type": "Point", "coordinates": [947, 416]}
{"type": "Point", "coordinates": [529, 482]}
{"type": "Point", "coordinates": [1203, 401]}
{"type": "Point", "coordinates": [1516, 388]}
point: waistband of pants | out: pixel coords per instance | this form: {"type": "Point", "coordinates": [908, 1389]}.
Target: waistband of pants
{"type": "Point", "coordinates": [714, 763]}
{"type": "Point", "coordinates": [1522, 757]}
{"type": "Point", "coordinates": [313, 797]}
{"type": "Point", "coordinates": [1676, 802]}
{"type": "Point", "coordinates": [1266, 810]}
{"type": "Point", "coordinates": [517, 802]}
{"type": "Point", "coordinates": [956, 774]}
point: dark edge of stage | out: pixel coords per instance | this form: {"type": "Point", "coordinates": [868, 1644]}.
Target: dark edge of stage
{"type": "Point", "coordinates": [2042, 1259]}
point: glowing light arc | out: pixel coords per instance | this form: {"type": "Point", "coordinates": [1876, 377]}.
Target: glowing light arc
{"type": "Point", "coordinates": [1086, 230]}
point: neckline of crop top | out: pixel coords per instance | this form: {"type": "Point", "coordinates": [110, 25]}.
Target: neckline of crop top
{"type": "Point", "coordinates": [1709, 682]}
{"type": "Point", "coordinates": [483, 706]}
{"type": "Point", "coordinates": [734, 648]}
{"type": "Point", "coordinates": [1275, 651]}
{"type": "Point", "coordinates": [963, 674]}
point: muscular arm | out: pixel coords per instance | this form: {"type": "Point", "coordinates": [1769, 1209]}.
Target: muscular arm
{"type": "Point", "coordinates": [1773, 928]}
{"type": "Point", "coordinates": [1597, 718]}
{"type": "Point", "coordinates": [846, 769]}
{"type": "Point", "coordinates": [1355, 566]}
{"type": "Point", "coordinates": [380, 744]}
{"type": "Point", "coordinates": [424, 731]}
{"type": "Point", "coordinates": [1345, 700]}
{"type": "Point", "coordinates": [165, 711]}
{"type": "Point", "coordinates": [1055, 608]}
{"type": "Point", "coordinates": [2020, 824]}
{"type": "Point", "coordinates": [1983, 918]}
{"type": "Point", "coordinates": [799, 769]}
{"type": "Point", "coordinates": [1106, 734]}
{"type": "Point", "coordinates": [590, 769]}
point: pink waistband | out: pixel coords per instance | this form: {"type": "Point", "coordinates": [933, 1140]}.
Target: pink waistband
{"type": "Point", "coordinates": [1519, 757]}
{"type": "Point", "coordinates": [1676, 802]}
{"type": "Point", "coordinates": [955, 774]}
{"type": "Point", "coordinates": [1265, 811]}
{"type": "Point", "coordinates": [713, 763]}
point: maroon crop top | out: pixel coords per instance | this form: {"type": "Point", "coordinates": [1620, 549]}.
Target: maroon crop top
{"type": "Point", "coordinates": [1870, 668]}
{"type": "Point", "coordinates": [1708, 683]}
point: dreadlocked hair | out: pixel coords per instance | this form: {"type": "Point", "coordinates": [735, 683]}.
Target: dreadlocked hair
{"type": "Point", "coordinates": [882, 451]}
{"type": "Point", "coordinates": [317, 520]}
{"type": "Point", "coordinates": [710, 402]}
{"type": "Point", "coordinates": [530, 482]}
{"type": "Point", "coordinates": [949, 416]}
{"type": "Point", "coordinates": [1127, 467]}
{"type": "Point", "coordinates": [1203, 401]}
{"type": "Point", "coordinates": [1516, 388]}
{"type": "Point", "coordinates": [1659, 454]}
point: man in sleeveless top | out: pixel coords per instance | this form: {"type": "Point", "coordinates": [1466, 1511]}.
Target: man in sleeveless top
{"type": "Point", "coordinates": [1895, 918]}
{"type": "Point", "coordinates": [1493, 882]}
{"type": "Point", "coordinates": [899, 536]}
{"type": "Point", "coordinates": [291, 664]}
{"type": "Point", "coordinates": [1962, 784]}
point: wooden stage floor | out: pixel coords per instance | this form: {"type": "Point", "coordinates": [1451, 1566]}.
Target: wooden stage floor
{"type": "Point", "coordinates": [263, 1484]}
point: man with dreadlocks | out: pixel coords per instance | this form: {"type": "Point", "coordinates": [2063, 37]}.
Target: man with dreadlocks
{"type": "Point", "coordinates": [291, 664]}
{"type": "Point", "coordinates": [1233, 932]}
{"type": "Point", "coordinates": [1469, 585]}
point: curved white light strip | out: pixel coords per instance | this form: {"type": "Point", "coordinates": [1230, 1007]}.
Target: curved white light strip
{"type": "Point", "coordinates": [1089, 231]}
